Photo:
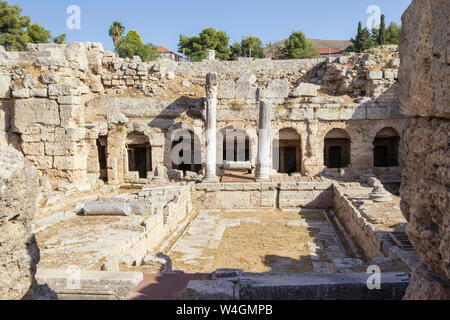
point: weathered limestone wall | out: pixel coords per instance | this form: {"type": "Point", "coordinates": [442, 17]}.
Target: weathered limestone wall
{"type": "Point", "coordinates": [357, 224]}
{"type": "Point", "coordinates": [19, 252]}
{"type": "Point", "coordinates": [257, 195]}
{"type": "Point", "coordinates": [425, 154]}
{"type": "Point", "coordinates": [56, 101]}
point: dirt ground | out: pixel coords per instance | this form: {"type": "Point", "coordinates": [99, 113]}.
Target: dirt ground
{"type": "Point", "coordinates": [271, 245]}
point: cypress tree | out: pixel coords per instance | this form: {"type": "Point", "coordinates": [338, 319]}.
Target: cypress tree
{"type": "Point", "coordinates": [382, 32]}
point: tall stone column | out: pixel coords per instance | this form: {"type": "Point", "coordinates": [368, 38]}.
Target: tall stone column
{"type": "Point", "coordinates": [211, 131]}
{"type": "Point", "coordinates": [265, 128]}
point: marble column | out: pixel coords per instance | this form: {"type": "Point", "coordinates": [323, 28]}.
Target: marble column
{"type": "Point", "coordinates": [264, 164]}
{"type": "Point", "coordinates": [210, 133]}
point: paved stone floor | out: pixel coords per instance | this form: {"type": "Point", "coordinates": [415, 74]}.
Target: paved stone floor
{"type": "Point", "coordinates": [212, 241]}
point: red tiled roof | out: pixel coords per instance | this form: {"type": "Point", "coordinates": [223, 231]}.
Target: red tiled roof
{"type": "Point", "coordinates": [324, 51]}
{"type": "Point", "coordinates": [161, 49]}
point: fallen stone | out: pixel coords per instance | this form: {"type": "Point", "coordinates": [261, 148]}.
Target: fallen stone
{"type": "Point", "coordinates": [95, 208]}
{"type": "Point", "coordinates": [161, 262]}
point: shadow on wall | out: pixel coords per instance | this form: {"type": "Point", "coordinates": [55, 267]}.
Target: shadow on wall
{"type": "Point", "coordinates": [191, 107]}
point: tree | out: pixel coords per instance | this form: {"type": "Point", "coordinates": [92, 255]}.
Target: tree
{"type": "Point", "coordinates": [38, 34]}
{"type": "Point", "coordinates": [13, 27]}
{"type": "Point", "coordinates": [209, 39]}
{"type": "Point", "coordinates": [132, 45]}
{"type": "Point", "coordinates": [363, 40]}
{"type": "Point", "coordinates": [298, 47]}
{"type": "Point", "coordinates": [249, 47]}
{"type": "Point", "coordinates": [116, 31]}
{"type": "Point", "coordinates": [382, 32]}
{"type": "Point", "coordinates": [393, 33]}
{"type": "Point", "coordinates": [60, 39]}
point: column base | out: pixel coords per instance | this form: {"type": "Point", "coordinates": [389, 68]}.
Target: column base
{"type": "Point", "coordinates": [210, 179]}
{"type": "Point", "coordinates": [262, 178]}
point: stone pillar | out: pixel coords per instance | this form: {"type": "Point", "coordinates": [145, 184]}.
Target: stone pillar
{"type": "Point", "coordinates": [264, 164]}
{"type": "Point", "coordinates": [210, 133]}
{"type": "Point", "coordinates": [210, 55]}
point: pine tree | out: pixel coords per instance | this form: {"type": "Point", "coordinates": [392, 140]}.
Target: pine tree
{"type": "Point", "coordinates": [357, 40]}
{"type": "Point", "coordinates": [382, 32]}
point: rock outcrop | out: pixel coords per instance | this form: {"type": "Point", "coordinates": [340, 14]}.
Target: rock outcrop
{"type": "Point", "coordinates": [425, 154]}
{"type": "Point", "coordinates": [19, 252]}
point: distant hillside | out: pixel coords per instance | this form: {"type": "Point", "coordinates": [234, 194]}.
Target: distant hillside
{"type": "Point", "coordinates": [338, 44]}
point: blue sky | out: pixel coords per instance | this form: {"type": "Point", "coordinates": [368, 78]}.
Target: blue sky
{"type": "Point", "coordinates": [161, 21]}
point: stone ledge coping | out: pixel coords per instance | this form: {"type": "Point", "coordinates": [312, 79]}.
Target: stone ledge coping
{"type": "Point", "coordinates": [305, 286]}
{"type": "Point", "coordinates": [259, 186]}
{"type": "Point", "coordinates": [84, 284]}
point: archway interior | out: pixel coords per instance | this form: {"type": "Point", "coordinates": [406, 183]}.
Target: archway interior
{"type": "Point", "coordinates": [385, 148]}
{"type": "Point", "coordinates": [139, 153]}
{"type": "Point", "coordinates": [337, 149]}
{"type": "Point", "coordinates": [236, 145]}
{"type": "Point", "coordinates": [102, 156]}
{"type": "Point", "coordinates": [289, 151]}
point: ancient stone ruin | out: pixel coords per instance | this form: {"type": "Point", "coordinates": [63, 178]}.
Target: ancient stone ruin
{"type": "Point", "coordinates": [171, 167]}
{"type": "Point", "coordinates": [424, 96]}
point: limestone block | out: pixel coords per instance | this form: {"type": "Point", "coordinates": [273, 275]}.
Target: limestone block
{"type": "Point", "coordinates": [34, 111]}
{"type": "Point", "coordinates": [69, 100]}
{"type": "Point", "coordinates": [159, 261]}
{"type": "Point", "coordinates": [305, 90]}
{"type": "Point", "coordinates": [423, 75]}
{"type": "Point", "coordinates": [374, 75]}
{"type": "Point", "coordinates": [60, 90]}
{"type": "Point", "coordinates": [72, 115]}
{"type": "Point", "coordinates": [33, 148]}
{"type": "Point", "coordinates": [19, 252]}
{"type": "Point", "coordinates": [29, 81]}
{"type": "Point", "coordinates": [61, 148]}
{"type": "Point", "coordinates": [244, 90]}
{"type": "Point", "coordinates": [70, 163]}
{"type": "Point", "coordinates": [95, 208]}
{"type": "Point", "coordinates": [111, 264]}
{"type": "Point", "coordinates": [227, 89]}
{"type": "Point", "coordinates": [277, 88]}
{"type": "Point", "coordinates": [45, 184]}
{"type": "Point", "coordinates": [41, 162]}
{"type": "Point", "coordinates": [209, 290]}
{"type": "Point", "coordinates": [21, 93]}
{"type": "Point", "coordinates": [49, 78]}
{"type": "Point", "coordinates": [5, 86]}
{"type": "Point", "coordinates": [304, 113]}
{"type": "Point", "coordinates": [38, 92]}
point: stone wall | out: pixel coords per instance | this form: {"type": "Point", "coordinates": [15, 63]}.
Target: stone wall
{"type": "Point", "coordinates": [19, 252]}
{"type": "Point", "coordinates": [424, 94]}
{"type": "Point", "coordinates": [266, 195]}
{"type": "Point", "coordinates": [56, 101]}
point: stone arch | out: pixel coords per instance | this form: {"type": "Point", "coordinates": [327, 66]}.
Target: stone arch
{"type": "Point", "coordinates": [287, 151]}
{"type": "Point", "coordinates": [183, 149]}
{"type": "Point", "coordinates": [385, 148]}
{"type": "Point", "coordinates": [337, 145]}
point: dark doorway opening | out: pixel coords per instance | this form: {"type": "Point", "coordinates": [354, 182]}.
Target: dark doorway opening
{"type": "Point", "coordinates": [337, 149]}
{"type": "Point", "coordinates": [102, 156]}
{"type": "Point", "coordinates": [335, 157]}
{"type": "Point", "coordinates": [290, 160]}
{"type": "Point", "coordinates": [139, 159]}
{"type": "Point", "coordinates": [385, 148]}
{"type": "Point", "coordinates": [289, 151]}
